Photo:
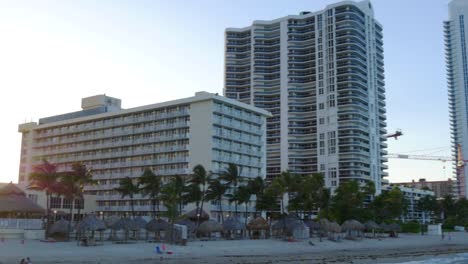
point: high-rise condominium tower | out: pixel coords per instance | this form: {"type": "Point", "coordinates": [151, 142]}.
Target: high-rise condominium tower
{"type": "Point", "coordinates": [321, 75]}
{"type": "Point", "coordinates": [457, 78]}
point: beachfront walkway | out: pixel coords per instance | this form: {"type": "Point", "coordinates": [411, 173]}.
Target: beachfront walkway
{"type": "Point", "coordinates": [11, 251]}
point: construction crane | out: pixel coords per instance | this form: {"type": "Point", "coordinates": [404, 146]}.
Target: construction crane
{"type": "Point", "coordinates": [395, 135]}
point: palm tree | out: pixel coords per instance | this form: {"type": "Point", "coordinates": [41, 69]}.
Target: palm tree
{"type": "Point", "coordinates": [85, 178]}
{"type": "Point", "coordinates": [200, 178]}
{"type": "Point", "coordinates": [128, 188]}
{"type": "Point", "coordinates": [232, 178]}
{"type": "Point", "coordinates": [257, 187]}
{"type": "Point", "coordinates": [242, 196]}
{"type": "Point", "coordinates": [45, 178]}
{"type": "Point", "coordinates": [171, 197]}
{"type": "Point", "coordinates": [215, 192]}
{"type": "Point", "coordinates": [180, 189]}
{"type": "Point", "coordinates": [151, 186]}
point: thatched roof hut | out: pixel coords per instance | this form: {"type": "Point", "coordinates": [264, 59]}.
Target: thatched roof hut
{"type": "Point", "coordinates": [140, 222]}
{"type": "Point", "coordinates": [125, 224]}
{"type": "Point", "coordinates": [192, 215]}
{"type": "Point", "coordinates": [258, 223]}
{"type": "Point", "coordinates": [91, 223]}
{"type": "Point", "coordinates": [157, 225]}
{"type": "Point", "coordinates": [352, 225]}
{"type": "Point", "coordinates": [394, 227]}
{"type": "Point", "coordinates": [209, 227]}
{"type": "Point", "coordinates": [313, 225]}
{"type": "Point", "coordinates": [385, 227]}
{"type": "Point", "coordinates": [109, 221]}
{"type": "Point", "coordinates": [334, 227]}
{"type": "Point", "coordinates": [233, 224]}
{"type": "Point", "coordinates": [14, 200]}
{"type": "Point", "coordinates": [61, 227]}
{"type": "Point", "coordinates": [371, 225]}
{"type": "Point", "coordinates": [191, 226]}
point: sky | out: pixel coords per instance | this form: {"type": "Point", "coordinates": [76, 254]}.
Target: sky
{"type": "Point", "coordinates": [53, 53]}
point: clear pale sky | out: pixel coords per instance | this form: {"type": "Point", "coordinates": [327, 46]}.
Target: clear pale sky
{"type": "Point", "coordinates": [53, 53]}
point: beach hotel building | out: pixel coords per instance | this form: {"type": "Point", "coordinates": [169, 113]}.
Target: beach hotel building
{"type": "Point", "coordinates": [456, 58]}
{"type": "Point", "coordinates": [321, 75]}
{"type": "Point", "coordinates": [169, 138]}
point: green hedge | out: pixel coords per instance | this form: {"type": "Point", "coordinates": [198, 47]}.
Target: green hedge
{"type": "Point", "coordinates": [410, 227]}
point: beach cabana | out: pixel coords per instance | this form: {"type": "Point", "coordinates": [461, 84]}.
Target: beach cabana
{"type": "Point", "coordinates": [125, 224]}
{"type": "Point", "coordinates": [394, 229]}
{"type": "Point", "coordinates": [314, 226]}
{"type": "Point", "coordinates": [60, 230]}
{"type": "Point", "coordinates": [90, 224]}
{"type": "Point", "coordinates": [333, 229]}
{"type": "Point", "coordinates": [141, 224]}
{"type": "Point", "coordinates": [15, 204]}
{"type": "Point", "coordinates": [232, 225]}
{"type": "Point", "coordinates": [209, 227]}
{"type": "Point", "coordinates": [156, 226]}
{"type": "Point", "coordinates": [193, 215]}
{"type": "Point", "coordinates": [352, 228]}
{"type": "Point", "coordinates": [290, 227]}
{"type": "Point", "coordinates": [371, 226]}
{"type": "Point", "coordinates": [258, 228]}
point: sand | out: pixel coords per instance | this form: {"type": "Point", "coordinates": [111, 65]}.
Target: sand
{"type": "Point", "coordinates": [387, 250]}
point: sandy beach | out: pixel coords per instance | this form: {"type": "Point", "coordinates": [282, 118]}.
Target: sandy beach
{"type": "Point", "coordinates": [387, 250]}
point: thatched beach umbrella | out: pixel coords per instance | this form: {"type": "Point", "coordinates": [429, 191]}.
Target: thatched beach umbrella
{"type": "Point", "coordinates": [60, 227]}
{"type": "Point", "coordinates": [193, 215]}
{"type": "Point", "coordinates": [258, 223]}
{"type": "Point", "coordinates": [209, 227]}
{"type": "Point", "coordinates": [140, 222]}
{"type": "Point", "coordinates": [233, 224]}
{"type": "Point", "coordinates": [371, 226]}
{"type": "Point", "coordinates": [394, 229]}
{"type": "Point", "coordinates": [157, 225]}
{"type": "Point", "coordinates": [91, 223]}
{"type": "Point", "coordinates": [352, 228]}
{"type": "Point", "coordinates": [258, 228]}
{"type": "Point", "coordinates": [125, 224]}
{"type": "Point", "coordinates": [111, 220]}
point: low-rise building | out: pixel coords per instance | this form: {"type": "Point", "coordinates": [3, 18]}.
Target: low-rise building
{"type": "Point", "coordinates": [412, 196]}
{"type": "Point", "coordinates": [440, 188]}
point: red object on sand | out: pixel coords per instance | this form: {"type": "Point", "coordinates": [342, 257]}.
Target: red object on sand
{"type": "Point", "coordinates": [169, 252]}
{"type": "Point", "coordinates": [163, 247]}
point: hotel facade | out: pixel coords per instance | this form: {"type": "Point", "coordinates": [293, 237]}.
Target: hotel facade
{"type": "Point", "coordinates": [169, 138]}
{"type": "Point", "coordinates": [321, 75]}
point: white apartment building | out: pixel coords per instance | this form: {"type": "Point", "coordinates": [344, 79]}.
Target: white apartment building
{"type": "Point", "coordinates": [457, 81]}
{"type": "Point", "coordinates": [321, 75]}
{"type": "Point", "coordinates": [412, 196]}
{"type": "Point", "coordinates": [169, 138]}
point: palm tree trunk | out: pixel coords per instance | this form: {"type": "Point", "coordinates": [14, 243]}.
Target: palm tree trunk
{"type": "Point", "coordinates": [159, 210]}
{"type": "Point", "coordinates": [221, 209]}
{"type": "Point", "coordinates": [246, 212]}
{"type": "Point", "coordinates": [71, 219]}
{"type": "Point", "coordinates": [153, 204]}
{"type": "Point", "coordinates": [48, 215]}
{"type": "Point", "coordinates": [131, 207]}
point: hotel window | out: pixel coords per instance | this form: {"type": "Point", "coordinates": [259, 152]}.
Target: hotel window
{"type": "Point", "coordinates": [67, 203]}
{"type": "Point", "coordinates": [55, 202]}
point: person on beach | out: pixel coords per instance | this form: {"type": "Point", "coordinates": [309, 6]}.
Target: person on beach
{"type": "Point", "coordinates": [28, 260]}
{"type": "Point", "coordinates": [23, 261]}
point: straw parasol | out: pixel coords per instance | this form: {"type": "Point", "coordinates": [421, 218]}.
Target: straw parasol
{"type": "Point", "coordinates": [233, 224]}
{"type": "Point", "coordinates": [313, 225]}
{"type": "Point", "coordinates": [371, 225]}
{"type": "Point", "coordinates": [192, 215]}
{"type": "Point", "coordinates": [140, 222]}
{"type": "Point", "coordinates": [13, 200]}
{"type": "Point", "coordinates": [91, 223]}
{"type": "Point", "coordinates": [125, 224]}
{"type": "Point", "coordinates": [109, 221]}
{"type": "Point", "coordinates": [209, 227]}
{"type": "Point", "coordinates": [394, 227]}
{"type": "Point", "coordinates": [258, 223]}
{"type": "Point", "coordinates": [157, 225]}
{"type": "Point", "coordinates": [352, 225]}
{"type": "Point", "coordinates": [334, 227]}
{"type": "Point", "coordinates": [61, 227]}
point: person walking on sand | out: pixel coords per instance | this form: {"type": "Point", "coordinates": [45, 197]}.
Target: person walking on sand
{"type": "Point", "coordinates": [23, 261]}
{"type": "Point", "coordinates": [28, 261]}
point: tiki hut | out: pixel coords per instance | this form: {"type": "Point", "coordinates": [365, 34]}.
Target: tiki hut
{"type": "Point", "coordinates": [156, 226]}
{"type": "Point", "coordinates": [60, 230]}
{"type": "Point", "coordinates": [290, 227]}
{"type": "Point", "coordinates": [394, 229]}
{"type": "Point", "coordinates": [191, 226]}
{"type": "Point", "coordinates": [258, 228]}
{"type": "Point", "coordinates": [141, 224]}
{"type": "Point", "coordinates": [353, 229]}
{"type": "Point", "coordinates": [232, 225]}
{"type": "Point", "coordinates": [314, 226]}
{"type": "Point", "coordinates": [371, 226]}
{"type": "Point", "coordinates": [208, 227]}
{"type": "Point", "coordinates": [193, 215]}
{"type": "Point", "coordinates": [90, 224]}
{"type": "Point", "coordinates": [333, 229]}
{"type": "Point", "coordinates": [13, 202]}
{"type": "Point", "coordinates": [111, 220]}
{"type": "Point", "coordinates": [125, 224]}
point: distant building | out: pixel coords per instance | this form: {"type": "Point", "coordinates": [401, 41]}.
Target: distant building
{"type": "Point", "coordinates": [440, 188]}
{"type": "Point", "coordinates": [412, 196]}
{"type": "Point", "coordinates": [170, 138]}
{"type": "Point", "coordinates": [456, 57]}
